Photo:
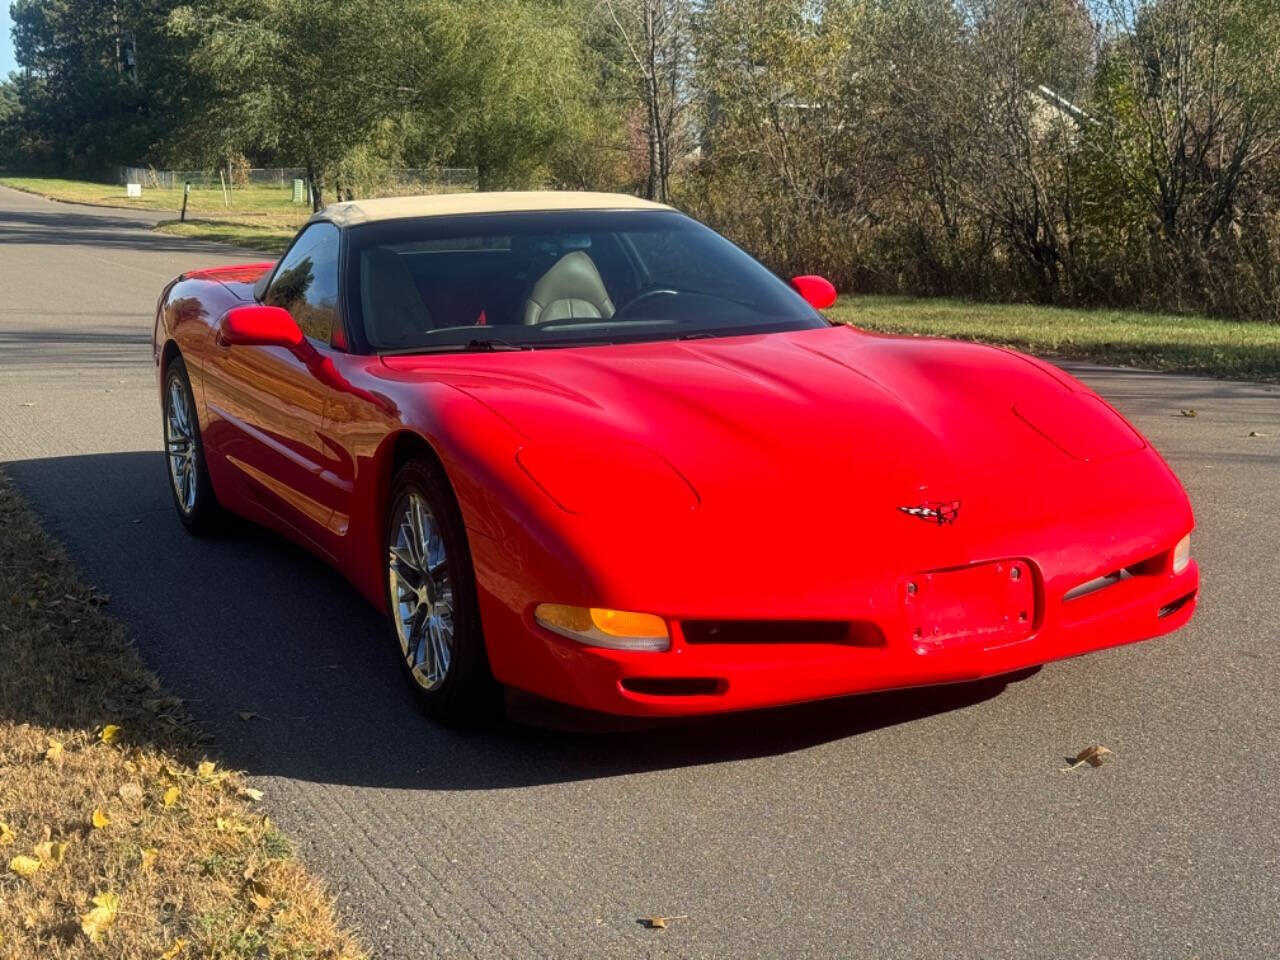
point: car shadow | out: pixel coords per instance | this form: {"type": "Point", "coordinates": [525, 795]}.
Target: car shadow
{"type": "Point", "coordinates": [289, 670]}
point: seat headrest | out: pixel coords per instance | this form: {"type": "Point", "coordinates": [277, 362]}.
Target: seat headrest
{"type": "Point", "coordinates": [571, 288]}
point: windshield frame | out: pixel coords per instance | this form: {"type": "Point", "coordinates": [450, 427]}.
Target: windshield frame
{"type": "Point", "coordinates": [360, 236]}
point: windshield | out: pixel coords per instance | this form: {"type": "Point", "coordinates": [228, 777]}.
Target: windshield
{"type": "Point", "coordinates": [525, 280]}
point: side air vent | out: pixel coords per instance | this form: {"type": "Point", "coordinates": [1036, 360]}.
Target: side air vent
{"type": "Point", "coordinates": [842, 632]}
{"type": "Point", "coordinates": [675, 686]}
{"type": "Point", "coordinates": [1148, 567]}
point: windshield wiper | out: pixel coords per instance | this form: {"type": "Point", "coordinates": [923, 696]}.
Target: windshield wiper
{"type": "Point", "coordinates": [474, 345]}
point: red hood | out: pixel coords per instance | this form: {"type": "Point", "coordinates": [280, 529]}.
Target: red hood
{"type": "Point", "coordinates": [827, 433]}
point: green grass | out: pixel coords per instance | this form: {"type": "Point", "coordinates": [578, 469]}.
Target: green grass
{"type": "Point", "coordinates": [257, 200]}
{"type": "Point", "coordinates": [254, 236]}
{"type": "Point", "coordinates": [1186, 344]}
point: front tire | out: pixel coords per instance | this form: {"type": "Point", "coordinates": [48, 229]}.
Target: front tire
{"type": "Point", "coordinates": [193, 495]}
{"type": "Point", "coordinates": [431, 599]}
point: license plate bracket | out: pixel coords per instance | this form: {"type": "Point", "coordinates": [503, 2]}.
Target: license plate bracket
{"type": "Point", "coordinates": [985, 605]}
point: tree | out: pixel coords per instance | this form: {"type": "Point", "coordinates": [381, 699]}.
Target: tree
{"type": "Point", "coordinates": [650, 44]}
{"type": "Point", "coordinates": [306, 79]}
{"type": "Point", "coordinates": [102, 80]}
{"type": "Point", "coordinates": [1193, 106]}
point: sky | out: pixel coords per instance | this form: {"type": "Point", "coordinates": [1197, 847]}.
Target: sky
{"type": "Point", "coordinates": [6, 41]}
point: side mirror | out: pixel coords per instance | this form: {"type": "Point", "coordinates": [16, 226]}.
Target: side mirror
{"type": "Point", "coordinates": [817, 291]}
{"type": "Point", "coordinates": [259, 326]}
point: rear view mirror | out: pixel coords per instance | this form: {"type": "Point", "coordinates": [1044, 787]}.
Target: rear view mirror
{"type": "Point", "coordinates": [260, 326]}
{"type": "Point", "coordinates": [817, 291]}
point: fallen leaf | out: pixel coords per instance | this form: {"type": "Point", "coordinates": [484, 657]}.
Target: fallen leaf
{"type": "Point", "coordinates": [171, 796]}
{"type": "Point", "coordinates": [249, 793]}
{"type": "Point", "coordinates": [26, 403]}
{"type": "Point", "coordinates": [24, 866]}
{"type": "Point", "coordinates": [100, 819]}
{"type": "Point", "coordinates": [1094, 756]}
{"type": "Point", "coordinates": [54, 753]}
{"type": "Point", "coordinates": [149, 858]}
{"type": "Point", "coordinates": [6, 834]}
{"type": "Point", "coordinates": [103, 915]}
{"type": "Point", "coordinates": [171, 954]}
{"type": "Point", "coordinates": [51, 853]}
{"type": "Point", "coordinates": [247, 715]}
{"type": "Point", "coordinates": [205, 770]}
{"type": "Point", "coordinates": [660, 923]}
{"type": "Point", "coordinates": [1255, 433]}
{"type": "Point", "coordinates": [230, 825]}
{"type": "Point", "coordinates": [109, 733]}
{"type": "Point", "coordinates": [1188, 413]}
{"type": "Point", "coordinates": [263, 903]}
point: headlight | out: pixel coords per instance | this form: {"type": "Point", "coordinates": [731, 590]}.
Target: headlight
{"type": "Point", "coordinates": [1182, 554]}
{"type": "Point", "coordinates": [598, 627]}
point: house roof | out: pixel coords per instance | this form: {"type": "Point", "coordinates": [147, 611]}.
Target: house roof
{"type": "Point", "coordinates": [353, 212]}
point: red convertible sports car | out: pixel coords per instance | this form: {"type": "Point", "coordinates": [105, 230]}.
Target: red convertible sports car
{"type": "Point", "coordinates": [582, 446]}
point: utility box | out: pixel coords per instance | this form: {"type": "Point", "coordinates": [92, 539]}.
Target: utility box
{"type": "Point", "coordinates": [133, 189]}
{"type": "Point", "coordinates": [299, 191]}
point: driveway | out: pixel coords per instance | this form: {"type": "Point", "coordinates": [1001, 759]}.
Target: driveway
{"type": "Point", "coordinates": [919, 824]}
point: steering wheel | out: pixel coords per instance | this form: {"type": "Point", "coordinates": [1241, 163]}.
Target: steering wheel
{"type": "Point", "coordinates": [646, 295]}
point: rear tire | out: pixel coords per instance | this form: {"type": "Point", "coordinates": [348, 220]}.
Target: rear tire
{"type": "Point", "coordinates": [193, 495]}
{"type": "Point", "coordinates": [432, 611]}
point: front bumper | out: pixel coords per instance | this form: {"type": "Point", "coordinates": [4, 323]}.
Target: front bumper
{"type": "Point", "coordinates": [699, 678]}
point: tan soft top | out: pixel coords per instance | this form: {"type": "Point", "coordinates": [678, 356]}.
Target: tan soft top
{"type": "Point", "coordinates": [354, 212]}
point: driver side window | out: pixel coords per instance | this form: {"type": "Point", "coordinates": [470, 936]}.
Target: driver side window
{"type": "Point", "coordinates": [307, 282]}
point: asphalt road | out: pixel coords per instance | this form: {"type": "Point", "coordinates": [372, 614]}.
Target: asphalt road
{"type": "Point", "coordinates": [921, 824]}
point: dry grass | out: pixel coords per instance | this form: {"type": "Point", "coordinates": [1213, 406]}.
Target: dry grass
{"type": "Point", "coordinates": [95, 756]}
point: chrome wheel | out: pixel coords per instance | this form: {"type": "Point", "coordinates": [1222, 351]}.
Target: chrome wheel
{"type": "Point", "coordinates": [422, 593]}
{"type": "Point", "coordinates": [180, 445]}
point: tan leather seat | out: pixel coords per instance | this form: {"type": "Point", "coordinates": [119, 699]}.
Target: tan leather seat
{"type": "Point", "coordinates": [571, 289]}
{"type": "Point", "coordinates": [394, 314]}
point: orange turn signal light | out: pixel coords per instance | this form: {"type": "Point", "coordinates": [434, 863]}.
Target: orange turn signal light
{"type": "Point", "coordinates": [603, 627]}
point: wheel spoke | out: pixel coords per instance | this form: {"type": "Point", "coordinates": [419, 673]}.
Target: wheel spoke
{"type": "Point", "coordinates": [421, 591]}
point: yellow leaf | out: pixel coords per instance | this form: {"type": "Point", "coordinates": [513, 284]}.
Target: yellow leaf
{"type": "Point", "coordinates": [6, 834]}
{"type": "Point", "coordinates": [263, 903]}
{"type": "Point", "coordinates": [54, 753]}
{"type": "Point", "coordinates": [51, 853]}
{"type": "Point", "coordinates": [109, 733]}
{"type": "Point", "coordinates": [249, 793]}
{"type": "Point", "coordinates": [171, 954]}
{"type": "Point", "coordinates": [24, 866]}
{"type": "Point", "coordinates": [205, 770]}
{"type": "Point", "coordinates": [149, 858]}
{"type": "Point", "coordinates": [230, 825]}
{"type": "Point", "coordinates": [100, 819]}
{"type": "Point", "coordinates": [103, 915]}
{"type": "Point", "coordinates": [171, 796]}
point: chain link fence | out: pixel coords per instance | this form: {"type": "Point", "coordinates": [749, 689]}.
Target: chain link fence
{"type": "Point", "coordinates": [389, 182]}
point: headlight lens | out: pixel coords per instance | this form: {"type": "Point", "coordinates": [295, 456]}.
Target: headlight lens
{"type": "Point", "coordinates": [600, 627]}
{"type": "Point", "coordinates": [1182, 554]}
